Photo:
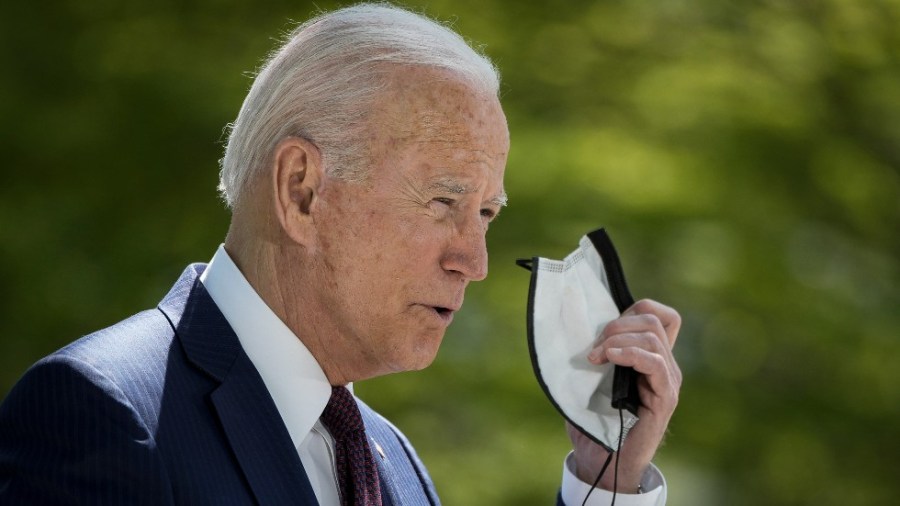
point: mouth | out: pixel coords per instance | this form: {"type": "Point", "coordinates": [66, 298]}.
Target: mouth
{"type": "Point", "coordinates": [444, 313]}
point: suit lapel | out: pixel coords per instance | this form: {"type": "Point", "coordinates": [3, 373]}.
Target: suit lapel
{"type": "Point", "coordinates": [251, 422]}
{"type": "Point", "coordinates": [259, 438]}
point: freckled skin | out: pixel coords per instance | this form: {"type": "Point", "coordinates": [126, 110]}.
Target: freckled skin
{"type": "Point", "coordinates": [412, 236]}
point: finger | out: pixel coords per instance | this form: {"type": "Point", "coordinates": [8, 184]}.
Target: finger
{"type": "Point", "coordinates": [648, 341]}
{"type": "Point", "coordinates": [645, 314]}
{"type": "Point", "coordinates": [639, 326]}
{"type": "Point", "coordinates": [643, 331]}
{"type": "Point", "coordinates": [668, 317]}
{"type": "Point", "coordinates": [643, 361]}
{"type": "Point", "coordinates": [662, 380]}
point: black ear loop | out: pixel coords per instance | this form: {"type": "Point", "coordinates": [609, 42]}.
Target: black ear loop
{"type": "Point", "coordinates": [606, 464]}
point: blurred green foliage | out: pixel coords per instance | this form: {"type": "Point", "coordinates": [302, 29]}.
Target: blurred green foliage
{"type": "Point", "coordinates": [744, 155]}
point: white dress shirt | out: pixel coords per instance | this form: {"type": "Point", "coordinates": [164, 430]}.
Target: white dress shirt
{"type": "Point", "coordinates": [574, 490]}
{"type": "Point", "coordinates": [300, 389]}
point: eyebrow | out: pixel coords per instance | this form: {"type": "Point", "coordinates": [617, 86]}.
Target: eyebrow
{"type": "Point", "coordinates": [455, 187]}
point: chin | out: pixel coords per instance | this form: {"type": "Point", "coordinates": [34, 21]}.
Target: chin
{"type": "Point", "coordinates": [422, 364]}
{"type": "Point", "coordinates": [420, 356]}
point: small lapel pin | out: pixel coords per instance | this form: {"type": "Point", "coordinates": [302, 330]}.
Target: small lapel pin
{"type": "Point", "coordinates": [379, 450]}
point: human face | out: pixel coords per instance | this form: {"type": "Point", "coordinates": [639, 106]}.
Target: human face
{"type": "Point", "coordinates": [394, 254]}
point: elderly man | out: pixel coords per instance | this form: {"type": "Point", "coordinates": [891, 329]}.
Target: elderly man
{"type": "Point", "coordinates": [363, 171]}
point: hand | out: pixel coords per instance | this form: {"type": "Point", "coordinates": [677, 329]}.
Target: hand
{"type": "Point", "coordinates": [641, 338]}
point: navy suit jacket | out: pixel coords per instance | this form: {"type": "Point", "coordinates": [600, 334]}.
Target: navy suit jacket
{"type": "Point", "coordinates": [166, 408]}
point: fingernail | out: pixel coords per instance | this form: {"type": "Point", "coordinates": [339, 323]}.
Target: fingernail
{"type": "Point", "coordinates": [614, 351]}
{"type": "Point", "coordinates": [595, 355]}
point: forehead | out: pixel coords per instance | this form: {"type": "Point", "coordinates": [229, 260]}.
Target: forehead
{"type": "Point", "coordinates": [435, 114]}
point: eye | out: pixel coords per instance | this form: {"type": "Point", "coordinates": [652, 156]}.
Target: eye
{"type": "Point", "coordinates": [441, 205]}
{"type": "Point", "coordinates": [488, 214]}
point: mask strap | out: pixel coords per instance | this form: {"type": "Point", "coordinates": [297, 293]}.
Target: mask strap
{"type": "Point", "coordinates": [606, 464]}
{"type": "Point", "coordinates": [625, 390]}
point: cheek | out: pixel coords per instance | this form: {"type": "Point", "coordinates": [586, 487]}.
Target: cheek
{"type": "Point", "coordinates": [403, 241]}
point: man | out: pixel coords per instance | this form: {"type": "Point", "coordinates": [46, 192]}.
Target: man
{"type": "Point", "coordinates": [362, 171]}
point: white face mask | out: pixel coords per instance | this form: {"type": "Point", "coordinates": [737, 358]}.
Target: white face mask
{"type": "Point", "coordinates": [569, 303]}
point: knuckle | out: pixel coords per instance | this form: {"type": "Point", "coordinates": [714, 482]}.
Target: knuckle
{"type": "Point", "coordinates": [650, 307]}
{"type": "Point", "coordinates": [649, 339]}
{"type": "Point", "coordinates": [660, 361]}
{"type": "Point", "coordinates": [643, 305]}
{"type": "Point", "coordinates": [651, 320]}
{"type": "Point", "coordinates": [613, 327]}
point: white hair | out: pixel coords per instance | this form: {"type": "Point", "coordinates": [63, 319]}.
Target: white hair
{"type": "Point", "coordinates": [320, 85]}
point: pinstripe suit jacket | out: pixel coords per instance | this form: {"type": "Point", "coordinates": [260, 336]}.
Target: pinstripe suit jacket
{"type": "Point", "coordinates": [166, 408]}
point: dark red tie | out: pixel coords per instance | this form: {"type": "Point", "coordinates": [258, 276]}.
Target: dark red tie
{"type": "Point", "coordinates": [357, 474]}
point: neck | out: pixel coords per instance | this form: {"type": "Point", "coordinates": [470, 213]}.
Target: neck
{"type": "Point", "coordinates": [278, 271]}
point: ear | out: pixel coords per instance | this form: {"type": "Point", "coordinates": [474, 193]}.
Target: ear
{"type": "Point", "coordinates": [297, 178]}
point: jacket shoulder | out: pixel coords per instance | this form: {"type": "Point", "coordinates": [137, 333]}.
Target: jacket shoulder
{"type": "Point", "coordinates": [126, 360]}
{"type": "Point", "coordinates": [76, 413]}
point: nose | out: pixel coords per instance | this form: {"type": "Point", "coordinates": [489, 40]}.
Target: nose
{"type": "Point", "coordinates": [467, 251]}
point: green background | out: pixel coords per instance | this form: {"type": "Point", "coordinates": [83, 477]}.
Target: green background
{"type": "Point", "coordinates": [744, 155]}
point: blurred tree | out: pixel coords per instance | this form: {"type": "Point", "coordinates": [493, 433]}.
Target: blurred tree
{"type": "Point", "coordinates": [744, 155]}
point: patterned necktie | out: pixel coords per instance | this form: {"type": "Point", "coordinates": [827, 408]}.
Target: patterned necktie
{"type": "Point", "coordinates": [357, 474]}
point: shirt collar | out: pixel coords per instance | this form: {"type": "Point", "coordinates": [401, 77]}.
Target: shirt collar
{"type": "Point", "coordinates": [291, 374]}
